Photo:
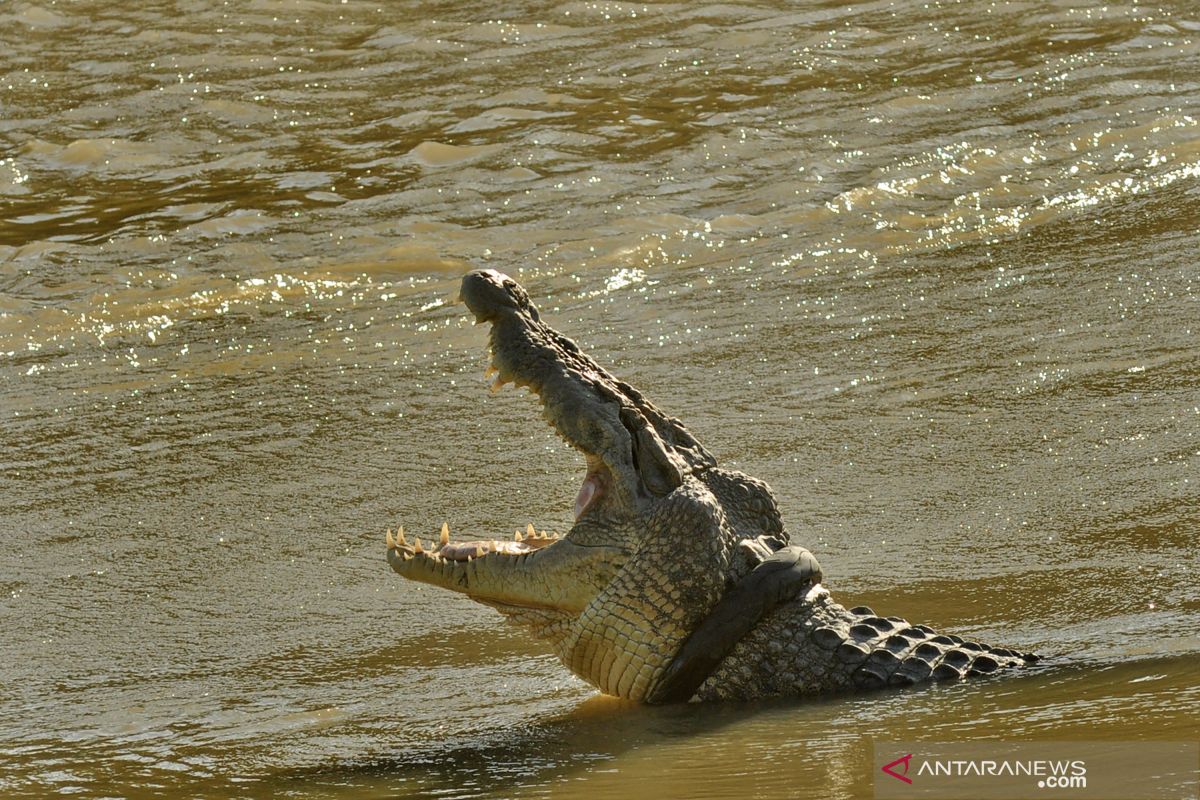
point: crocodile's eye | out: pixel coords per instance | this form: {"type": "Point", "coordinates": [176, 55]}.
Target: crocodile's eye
{"type": "Point", "coordinates": [516, 292]}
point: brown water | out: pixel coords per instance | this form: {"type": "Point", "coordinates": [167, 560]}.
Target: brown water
{"type": "Point", "coordinates": [928, 268]}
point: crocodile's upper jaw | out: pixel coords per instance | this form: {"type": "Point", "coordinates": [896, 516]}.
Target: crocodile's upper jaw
{"type": "Point", "coordinates": [632, 449]}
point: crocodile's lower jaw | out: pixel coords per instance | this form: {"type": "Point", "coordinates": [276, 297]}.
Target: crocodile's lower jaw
{"type": "Point", "coordinates": [447, 550]}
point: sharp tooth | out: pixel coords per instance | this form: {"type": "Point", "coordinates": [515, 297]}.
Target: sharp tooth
{"type": "Point", "coordinates": [530, 531]}
{"type": "Point", "coordinates": [517, 537]}
{"type": "Point", "coordinates": [391, 543]}
{"type": "Point", "coordinates": [417, 546]}
{"type": "Point", "coordinates": [480, 550]}
{"type": "Point", "coordinates": [445, 533]}
{"type": "Point", "coordinates": [407, 556]}
{"type": "Point", "coordinates": [400, 542]}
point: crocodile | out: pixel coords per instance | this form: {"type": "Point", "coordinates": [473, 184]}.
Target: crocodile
{"type": "Point", "coordinates": [677, 580]}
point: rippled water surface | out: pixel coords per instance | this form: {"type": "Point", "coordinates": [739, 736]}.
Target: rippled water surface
{"type": "Point", "coordinates": [928, 268]}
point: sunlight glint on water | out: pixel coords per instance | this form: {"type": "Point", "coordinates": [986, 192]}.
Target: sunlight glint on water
{"type": "Point", "coordinates": [926, 268]}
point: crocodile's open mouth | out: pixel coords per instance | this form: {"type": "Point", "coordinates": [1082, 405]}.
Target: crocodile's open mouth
{"type": "Point", "coordinates": [526, 353]}
{"type": "Point", "coordinates": [598, 476]}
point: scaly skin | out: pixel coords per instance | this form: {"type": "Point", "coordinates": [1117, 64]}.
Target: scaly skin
{"type": "Point", "coordinates": [661, 535]}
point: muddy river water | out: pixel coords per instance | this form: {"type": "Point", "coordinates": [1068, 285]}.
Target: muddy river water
{"type": "Point", "coordinates": [930, 269]}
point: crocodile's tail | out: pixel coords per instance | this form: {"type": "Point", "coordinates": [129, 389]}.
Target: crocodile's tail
{"type": "Point", "coordinates": [888, 651]}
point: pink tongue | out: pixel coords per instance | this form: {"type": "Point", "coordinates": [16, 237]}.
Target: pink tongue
{"type": "Point", "coordinates": [587, 493]}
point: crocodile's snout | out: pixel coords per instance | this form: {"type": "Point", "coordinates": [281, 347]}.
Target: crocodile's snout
{"type": "Point", "coordinates": [489, 294]}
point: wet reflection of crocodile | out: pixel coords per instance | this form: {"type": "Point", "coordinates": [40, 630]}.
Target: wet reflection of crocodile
{"type": "Point", "coordinates": [677, 580]}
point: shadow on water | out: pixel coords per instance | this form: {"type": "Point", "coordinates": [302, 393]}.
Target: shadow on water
{"type": "Point", "coordinates": [607, 747]}
{"type": "Point", "coordinates": [541, 754]}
